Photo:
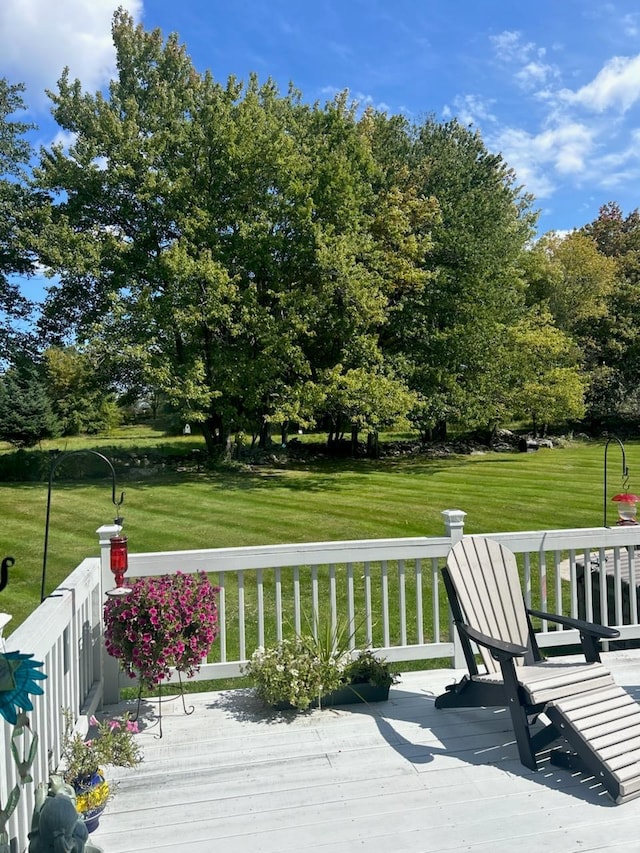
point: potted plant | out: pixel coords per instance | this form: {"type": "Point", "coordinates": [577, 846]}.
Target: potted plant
{"type": "Point", "coordinates": [292, 673]}
{"type": "Point", "coordinates": [366, 678]}
{"type": "Point", "coordinates": [165, 622]}
{"type": "Point", "coordinates": [302, 673]}
{"type": "Point", "coordinates": [83, 761]}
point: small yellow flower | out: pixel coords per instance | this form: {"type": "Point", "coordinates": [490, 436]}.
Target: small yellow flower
{"type": "Point", "coordinates": [93, 798]}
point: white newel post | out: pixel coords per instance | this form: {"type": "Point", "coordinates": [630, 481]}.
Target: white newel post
{"type": "Point", "coordinates": [454, 525]}
{"type": "Point", "coordinates": [110, 668]}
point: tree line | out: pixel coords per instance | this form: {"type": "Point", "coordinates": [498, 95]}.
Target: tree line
{"type": "Point", "coordinates": [263, 263]}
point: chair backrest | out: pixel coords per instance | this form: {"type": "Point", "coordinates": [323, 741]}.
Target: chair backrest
{"type": "Point", "coordinates": [485, 577]}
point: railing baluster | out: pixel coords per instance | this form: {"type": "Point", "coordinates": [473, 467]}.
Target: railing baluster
{"type": "Point", "coordinates": [602, 572]}
{"type": "Point", "coordinates": [588, 587]}
{"type": "Point", "coordinates": [573, 583]}
{"type": "Point", "coordinates": [351, 607]}
{"type": "Point", "coordinates": [435, 601]}
{"type": "Point", "coordinates": [385, 603]}
{"type": "Point", "coordinates": [402, 603]}
{"type": "Point", "coordinates": [333, 597]}
{"type": "Point", "coordinates": [278, 603]}
{"type": "Point", "coordinates": [242, 636]}
{"type": "Point", "coordinates": [633, 594]}
{"type": "Point", "coordinates": [260, 601]}
{"type": "Point", "coordinates": [367, 603]}
{"type": "Point", "coordinates": [297, 621]}
{"type": "Point", "coordinates": [617, 587]}
{"type": "Point", "coordinates": [419, 608]}
{"type": "Point", "coordinates": [222, 618]}
{"type": "Point", "coordinates": [558, 581]}
{"type": "Point", "coordinates": [315, 601]}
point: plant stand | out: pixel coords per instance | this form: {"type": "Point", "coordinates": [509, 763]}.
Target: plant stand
{"type": "Point", "coordinates": [186, 710]}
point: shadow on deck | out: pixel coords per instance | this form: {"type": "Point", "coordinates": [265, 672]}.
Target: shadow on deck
{"type": "Point", "coordinates": [394, 776]}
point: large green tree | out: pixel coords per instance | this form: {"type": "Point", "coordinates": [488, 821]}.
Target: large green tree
{"type": "Point", "coordinates": [220, 234]}
{"type": "Point", "coordinates": [264, 261]}
{"type": "Point", "coordinates": [452, 325]}
{"type": "Point", "coordinates": [614, 346]}
{"type": "Point", "coordinates": [18, 204]}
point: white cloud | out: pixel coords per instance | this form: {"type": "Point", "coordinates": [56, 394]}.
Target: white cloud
{"type": "Point", "coordinates": [620, 168]}
{"type": "Point", "coordinates": [470, 109]}
{"type": "Point", "coordinates": [631, 25]}
{"type": "Point", "coordinates": [65, 139]}
{"type": "Point", "coordinates": [535, 74]}
{"type": "Point", "coordinates": [580, 136]}
{"type": "Point", "coordinates": [560, 151]}
{"type": "Point", "coordinates": [616, 85]}
{"type": "Point", "coordinates": [519, 149]}
{"type": "Point", "coordinates": [38, 38]}
{"type": "Point", "coordinates": [510, 49]}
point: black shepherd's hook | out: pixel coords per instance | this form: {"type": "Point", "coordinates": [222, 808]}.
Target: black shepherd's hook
{"type": "Point", "coordinates": [116, 503]}
{"type": "Point", "coordinates": [4, 571]}
{"type": "Point", "coordinates": [625, 472]}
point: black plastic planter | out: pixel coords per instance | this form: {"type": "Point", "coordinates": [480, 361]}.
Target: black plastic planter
{"type": "Point", "coordinates": [350, 694]}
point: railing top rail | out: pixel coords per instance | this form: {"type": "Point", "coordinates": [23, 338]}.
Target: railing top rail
{"type": "Point", "coordinates": [40, 630]}
{"type": "Point", "coordinates": [570, 538]}
{"type": "Point", "coordinates": [364, 550]}
{"type": "Point", "coordinates": [304, 553]}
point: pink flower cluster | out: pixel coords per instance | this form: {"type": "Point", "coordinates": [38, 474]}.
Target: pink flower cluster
{"type": "Point", "coordinates": [166, 621]}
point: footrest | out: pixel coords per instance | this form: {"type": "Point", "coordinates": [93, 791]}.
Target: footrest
{"type": "Point", "coordinates": [603, 727]}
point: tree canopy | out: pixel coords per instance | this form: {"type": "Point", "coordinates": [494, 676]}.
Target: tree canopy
{"type": "Point", "coordinates": [264, 262]}
{"type": "Point", "coordinates": [255, 255]}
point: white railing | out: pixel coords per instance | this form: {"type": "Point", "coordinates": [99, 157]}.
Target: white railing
{"type": "Point", "coordinates": [389, 592]}
{"type": "Point", "coordinates": [65, 634]}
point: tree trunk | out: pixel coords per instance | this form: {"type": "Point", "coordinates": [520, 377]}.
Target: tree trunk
{"type": "Point", "coordinates": [354, 441]}
{"type": "Point", "coordinates": [440, 431]}
{"type": "Point", "coordinates": [264, 435]}
{"type": "Point", "coordinates": [373, 445]}
{"type": "Point", "coordinates": [213, 434]}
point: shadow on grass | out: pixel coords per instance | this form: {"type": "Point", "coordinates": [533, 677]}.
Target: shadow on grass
{"type": "Point", "coordinates": [294, 475]}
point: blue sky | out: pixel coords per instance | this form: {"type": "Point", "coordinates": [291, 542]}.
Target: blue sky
{"type": "Point", "coordinates": [553, 85]}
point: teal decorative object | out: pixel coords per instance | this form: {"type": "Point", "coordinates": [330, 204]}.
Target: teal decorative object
{"type": "Point", "coordinates": [19, 675]}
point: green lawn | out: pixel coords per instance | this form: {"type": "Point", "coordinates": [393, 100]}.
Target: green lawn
{"type": "Point", "coordinates": [302, 502]}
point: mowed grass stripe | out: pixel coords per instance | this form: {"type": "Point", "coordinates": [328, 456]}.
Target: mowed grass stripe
{"type": "Point", "coordinates": [299, 503]}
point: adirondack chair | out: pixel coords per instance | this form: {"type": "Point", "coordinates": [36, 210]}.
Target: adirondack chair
{"type": "Point", "coordinates": [584, 707]}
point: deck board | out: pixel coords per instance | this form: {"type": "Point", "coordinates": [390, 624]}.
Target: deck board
{"type": "Point", "coordinates": [397, 775]}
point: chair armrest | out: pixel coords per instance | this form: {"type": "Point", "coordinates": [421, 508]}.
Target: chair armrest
{"type": "Point", "coordinates": [500, 649]}
{"type": "Point", "coordinates": [601, 631]}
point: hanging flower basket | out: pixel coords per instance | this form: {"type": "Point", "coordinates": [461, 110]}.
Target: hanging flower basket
{"type": "Point", "coordinates": [165, 622]}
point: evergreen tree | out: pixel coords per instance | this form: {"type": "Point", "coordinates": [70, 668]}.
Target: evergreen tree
{"type": "Point", "coordinates": [26, 414]}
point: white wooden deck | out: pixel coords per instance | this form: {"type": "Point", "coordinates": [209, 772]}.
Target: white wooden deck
{"type": "Point", "coordinates": [396, 776]}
